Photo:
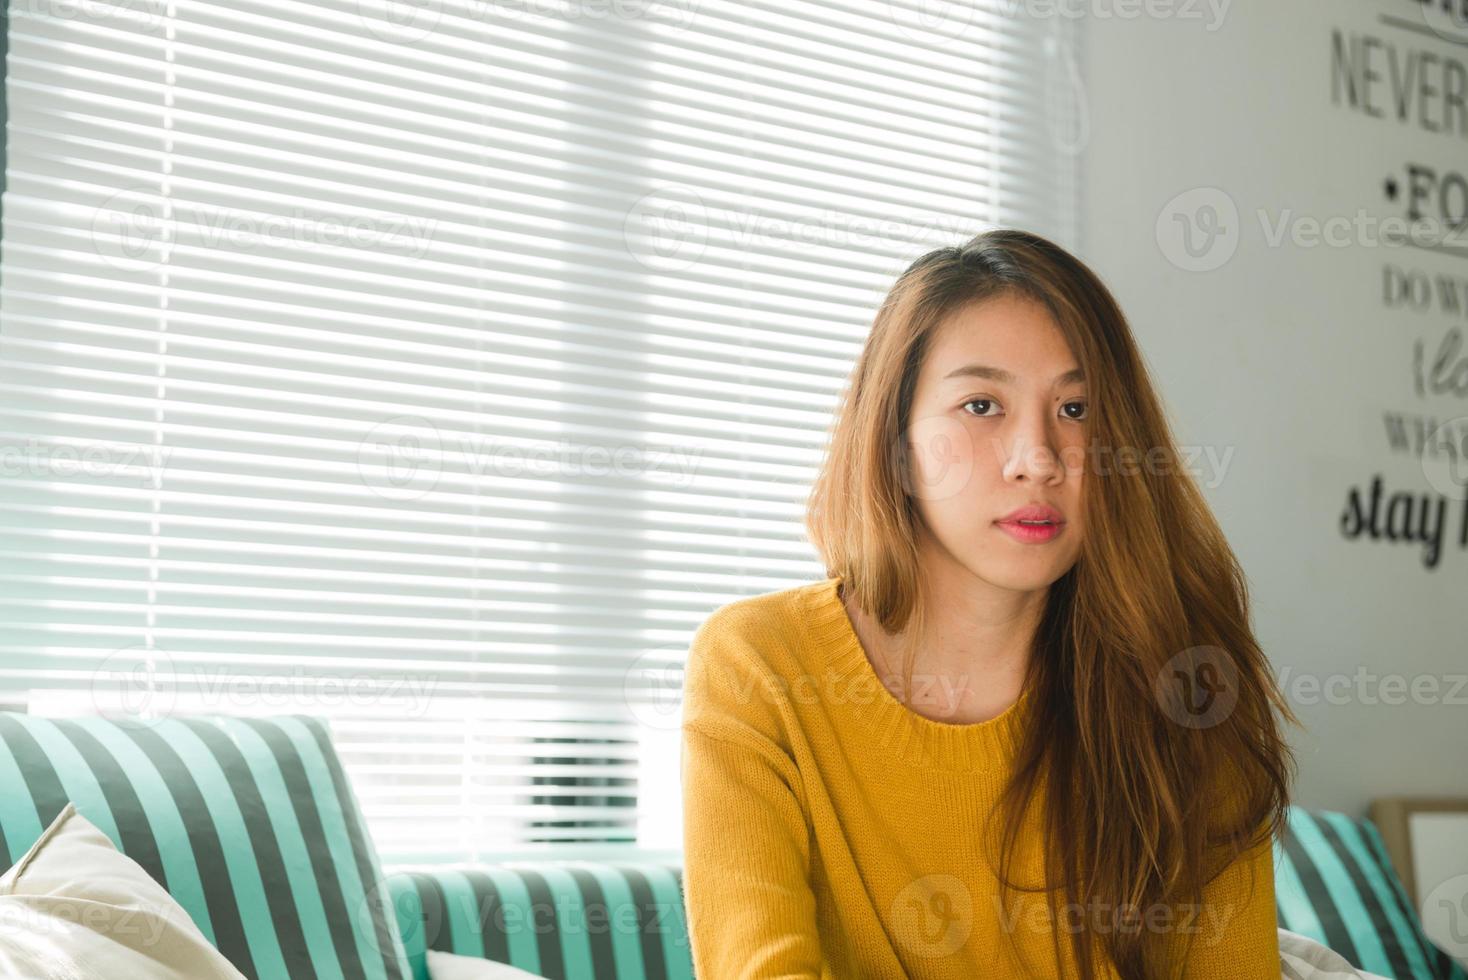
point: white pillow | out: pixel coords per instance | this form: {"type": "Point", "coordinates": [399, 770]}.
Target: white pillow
{"type": "Point", "coordinates": [450, 966]}
{"type": "Point", "coordinates": [76, 908]}
{"type": "Point", "coordinates": [1302, 958]}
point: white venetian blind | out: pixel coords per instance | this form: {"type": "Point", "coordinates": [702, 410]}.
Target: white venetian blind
{"type": "Point", "coordinates": [436, 368]}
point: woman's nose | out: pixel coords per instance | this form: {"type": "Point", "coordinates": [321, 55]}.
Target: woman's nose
{"type": "Point", "coordinates": [1030, 455]}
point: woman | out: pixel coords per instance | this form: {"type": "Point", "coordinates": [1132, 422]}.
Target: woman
{"type": "Point", "coordinates": [1077, 770]}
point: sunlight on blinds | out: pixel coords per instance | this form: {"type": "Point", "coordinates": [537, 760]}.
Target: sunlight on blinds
{"type": "Point", "coordinates": [436, 368]}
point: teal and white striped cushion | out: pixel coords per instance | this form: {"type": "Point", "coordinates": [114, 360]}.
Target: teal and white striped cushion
{"type": "Point", "coordinates": [563, 919]}
{"type": "Point", "coordinates": [1334, 883]}
{"type": "Point", "coordinates": [249, 823]}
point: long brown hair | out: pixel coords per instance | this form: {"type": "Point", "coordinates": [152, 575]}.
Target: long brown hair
{"type": "Point", "coordinates": [1155, 806]}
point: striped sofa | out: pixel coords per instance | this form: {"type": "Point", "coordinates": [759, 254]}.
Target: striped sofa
{"type": "Point", "coordinates": [569, 919]}
{"type": "Point", "coordinates": [252, 827]}
{"type": "Point", "coordinates": [1334, 883]}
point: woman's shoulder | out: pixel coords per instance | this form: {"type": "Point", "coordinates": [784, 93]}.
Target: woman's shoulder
{"type": "Point", "coordinates": [753, 646]}
{"type": "Point", "coordinates": [775, 615]}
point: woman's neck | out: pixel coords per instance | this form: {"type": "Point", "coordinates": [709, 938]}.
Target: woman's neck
{"type": "Point", "coordinates": [954, 682]}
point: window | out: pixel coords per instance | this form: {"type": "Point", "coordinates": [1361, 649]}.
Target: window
{"type": "Point", "coordinates": [436, 368]}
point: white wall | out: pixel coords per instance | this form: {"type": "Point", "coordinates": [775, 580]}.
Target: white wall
{"type": "Point", "coordinates": [1284, 359]}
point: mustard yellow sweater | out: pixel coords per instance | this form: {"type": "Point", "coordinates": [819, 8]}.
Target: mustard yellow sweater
{"type": "Point", "coordinates": [829, 830]}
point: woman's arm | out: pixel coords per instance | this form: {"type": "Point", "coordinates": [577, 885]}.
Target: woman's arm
{"type": "Point", "coordinates": [751, 912]}
{"type": "Point", "coordinates": [746, 842]}
{"type": "Point", "coordinates": [1237, 934]}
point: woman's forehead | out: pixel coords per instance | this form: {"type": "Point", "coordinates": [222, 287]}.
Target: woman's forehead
{"type": "Point", "coordinates": [1001, 341]}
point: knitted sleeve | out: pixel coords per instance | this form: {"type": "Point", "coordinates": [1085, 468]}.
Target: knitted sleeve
{"type": "Point", "coordinates": [746, 862]}
{"type": "Point", "coordinates": [1236, 932]}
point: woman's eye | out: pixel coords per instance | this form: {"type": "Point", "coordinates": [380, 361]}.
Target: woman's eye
{"type": "Point", "coordinates": [1076, 418]}
{"type": "Point", "coordinates": [979, 401]}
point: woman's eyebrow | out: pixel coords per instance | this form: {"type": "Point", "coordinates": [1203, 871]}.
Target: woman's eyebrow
{"type": "Point", "coordinates": [1073, 376]}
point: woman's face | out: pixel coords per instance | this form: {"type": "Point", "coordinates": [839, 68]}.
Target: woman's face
{"type": "Point", "coordinates": [997, 423]}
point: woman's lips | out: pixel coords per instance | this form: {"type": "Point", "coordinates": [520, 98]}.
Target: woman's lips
{"type": "Point", "coordinates": [1030, 533]}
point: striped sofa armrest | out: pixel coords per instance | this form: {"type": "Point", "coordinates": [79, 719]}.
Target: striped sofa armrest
{"type": "Point", "coordinates": [1335, 884]}
{"type": "Point", "coordinates": [563, 919]}
{"type": "Point", "coordinates": [249, 823]}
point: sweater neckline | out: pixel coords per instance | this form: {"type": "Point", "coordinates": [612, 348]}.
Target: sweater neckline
{"type": "Point", "coordinates": [860, 694]}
